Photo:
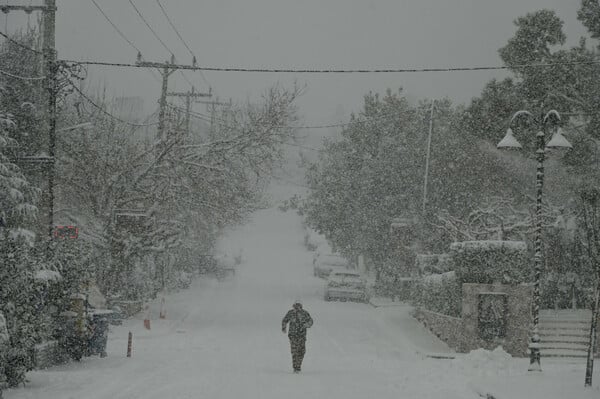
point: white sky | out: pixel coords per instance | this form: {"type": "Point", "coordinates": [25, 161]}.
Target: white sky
{"type": "Point", "coordinates": [307, 33]}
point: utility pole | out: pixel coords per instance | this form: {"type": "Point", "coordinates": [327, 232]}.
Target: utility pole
{"type": "Point", "coordinates": [189, 95]}
{"type": "Point", "coordinates": [213, 109]}
{"type": "Point", "coordinates": [426, 179]}
{"type": "Point", "coordinates": [49, 69]}
{"type": "Point", "coordinates": [166, 69]}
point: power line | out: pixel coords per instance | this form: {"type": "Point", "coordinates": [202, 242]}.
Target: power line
{"type": "Point", "coordinates": [174, 28]}
{"type": "Point", "coordinates": [105, 112]}
{"type": "Point", "coordinates": [157, 37]}
{"type": "Point", "coordinates": [299, 146]}
{"type": "Point", "coordinates": [341, 71]}
{"type": "Point", "coordinates": [150, 27]}
{"type": "Point", "coordinates": [182, 40]}
{"type": "Point", "coordinates": [202, 118]}
{"type": "Point", "coordinates": [116, 28]}
{"type": "Point", "coordinates": [19, 44]}
{"type": "Point", "coordinates": [21, 77]}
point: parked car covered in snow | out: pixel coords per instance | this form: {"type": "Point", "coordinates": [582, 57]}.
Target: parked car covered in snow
{"type": "Point", "coordinates": [346, 285]}
{"type": "Point", "coordinates": [324, 264]}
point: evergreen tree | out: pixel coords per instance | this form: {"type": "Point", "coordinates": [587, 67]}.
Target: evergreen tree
{"type": "Point", "coordinates": [17, 199]}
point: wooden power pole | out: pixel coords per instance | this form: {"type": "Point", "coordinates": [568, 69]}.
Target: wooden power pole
{"type": "Point", "coordinates": [49, 70]}
{"type": "Point", "coordinates": [166, 69]}
{"type": "Point", "coordinates": [189, 96]}
{"type": "Point", "coordinates": [212, 108]}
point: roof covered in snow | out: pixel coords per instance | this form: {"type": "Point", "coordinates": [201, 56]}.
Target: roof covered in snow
{"type": "Point", "coordinates": [47, 275]}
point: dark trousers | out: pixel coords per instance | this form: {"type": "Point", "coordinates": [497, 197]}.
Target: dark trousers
{"type": "Point", "coordinates": [298, 346]}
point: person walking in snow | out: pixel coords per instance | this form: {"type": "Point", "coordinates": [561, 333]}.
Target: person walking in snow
{"type": "Point", "coordinates": [299, 321]}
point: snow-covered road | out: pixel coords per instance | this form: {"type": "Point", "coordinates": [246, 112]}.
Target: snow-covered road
{"type": "Point", "coordinates": [223, 339]}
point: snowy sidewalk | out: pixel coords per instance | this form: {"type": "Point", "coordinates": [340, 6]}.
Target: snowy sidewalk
{"type": "Point", "coordinates": [556, 381]}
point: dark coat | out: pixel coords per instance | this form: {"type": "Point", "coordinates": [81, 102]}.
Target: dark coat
{"type": "Point", "coordinates": [299, 320]}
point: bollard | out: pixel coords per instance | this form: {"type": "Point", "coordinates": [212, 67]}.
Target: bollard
{"type": "Point", "coordinates": [129, 344]}
{"type": "Point", "coordinates": [163, 311]}
{"type": "Point", "coordinates": [147, 316]}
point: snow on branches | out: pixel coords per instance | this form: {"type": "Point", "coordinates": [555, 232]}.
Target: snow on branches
{"type": "Point", "coordinates": [17, 196]}
{"type": "Point", "coordinates": [495, 218]}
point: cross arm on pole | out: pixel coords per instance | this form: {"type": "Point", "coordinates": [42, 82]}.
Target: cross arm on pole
{"type": "Point", "coordinates": [28, 9]}
{"type": "Point", "coordinates": [188, 94]}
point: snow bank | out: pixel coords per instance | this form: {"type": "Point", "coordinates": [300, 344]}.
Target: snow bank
{"type": "Point", "coordinates": [557, 381]}
{"type": "Point", "coordinates": [487, 363]}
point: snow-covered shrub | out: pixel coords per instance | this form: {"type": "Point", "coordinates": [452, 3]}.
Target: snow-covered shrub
{"type": "Point", "coordinates": [439, 293]}
{"type": "Point", "coordinates": [17, 214]}
{"type": "Point", "coordinates": [488, 262]}
{"type": "Point", "coordinates": [566, 281]}
{"type": "Point", "coordinates": [18, 306]}
{"type": "Point", "coordinates": [433, 263]}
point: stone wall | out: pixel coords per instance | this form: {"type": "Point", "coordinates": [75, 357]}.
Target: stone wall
{"type": "Point", "coordinates": [464, 334]}
{"type": "Point", "coordinates": [447, 328]}
{"type": "Point", "coordinates": [48, 354]}
{"type": "Point", "coordinates": [518, 317]}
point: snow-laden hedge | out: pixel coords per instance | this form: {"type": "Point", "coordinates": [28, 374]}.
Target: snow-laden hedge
{"type": "Point", "coordinates": [439, 293]}
{"type": "Point", "coordinates": [434, 263]}
{"type": "Point", "coordinates": [488, 262]}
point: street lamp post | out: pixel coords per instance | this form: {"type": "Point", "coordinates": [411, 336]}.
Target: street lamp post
{"type": "Point", "coordinates": [557, 141]}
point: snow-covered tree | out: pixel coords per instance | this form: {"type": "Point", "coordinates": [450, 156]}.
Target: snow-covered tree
{"type": "Point", "coordinates": [376, 173]}
{"type": "Point", "coordinates": [17, 199]}
{"type": "Point", "coordinates": [186, 189]}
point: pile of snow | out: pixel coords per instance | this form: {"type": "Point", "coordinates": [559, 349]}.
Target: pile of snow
{"type": "Point", "coordinates": [485, 363]}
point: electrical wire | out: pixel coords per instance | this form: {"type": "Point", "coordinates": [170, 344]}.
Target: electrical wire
{"type": "Point", "coordinates": [105, 112]}
{"type": "Point", "coordinates": [122, 35]}
{"type": "Point", "coordinates": [20, 44]}
{"type": "Point", "coordinates": [340, 71]}
{"type": "Point", "coordinates": [182, 40]}
{"type": "Point", "coordinates": [195, 115]}
{"type": "Point", "coordinates": [174, 28]}
{"type": "Point", "coordinates": [21, 77]}
{"type": "Point", "coordinates": [186, 78]}
{"type": "Point", "coordinates": [150, 27]}
{"type": "Point", "coordinates": [299, 146]}
{"type": "Point", "coordinates": [116, 27]}
{"type": "Point", "coordinates": [158, 38]}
